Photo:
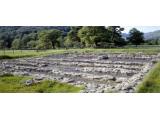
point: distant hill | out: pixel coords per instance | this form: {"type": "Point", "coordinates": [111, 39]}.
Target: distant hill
{"type": "Point", "coordinates": [125, 35]}
{"type": "Point", "coordinates": [148, 36]}
{"type": "Point", "coordinates": [152, 35]}
{"type": "Point", "coordinates": [30, 29]}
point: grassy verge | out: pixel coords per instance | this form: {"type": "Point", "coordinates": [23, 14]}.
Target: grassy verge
{"type": "Point", "coordinates": [151, 83]}
{"type": "Point", "coordinates": [27, 53]}
{"type": "Point", "coordinates": [14, 84]}
{"type": "Point", "coordinates": [31, 53]}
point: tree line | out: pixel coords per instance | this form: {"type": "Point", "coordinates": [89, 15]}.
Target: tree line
{"type": "Point", "coordinates": [68, 37]}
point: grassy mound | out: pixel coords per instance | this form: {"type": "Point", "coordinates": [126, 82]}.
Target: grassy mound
{"type": "Point", "coordinates": [14, 84]}
{"type": "Point", "coordinates": [151, 83]}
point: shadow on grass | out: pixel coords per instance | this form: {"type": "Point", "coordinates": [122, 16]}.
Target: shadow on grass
{"type": "Point", "coordinates": [13, 57]}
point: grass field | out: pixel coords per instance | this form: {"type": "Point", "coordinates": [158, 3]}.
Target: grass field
{"type": "Point", "coordinates": [151, 82]}
{"type": "Point", "coordinates": [14, 84]}
{"type": "Point", "coordinates": [8, 54]}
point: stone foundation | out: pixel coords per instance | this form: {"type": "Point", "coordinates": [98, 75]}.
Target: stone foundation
{"type": "Point", "coordinates": [97, 72]}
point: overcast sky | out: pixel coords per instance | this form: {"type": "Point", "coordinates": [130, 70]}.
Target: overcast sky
{"type": "Point", "coordinates": [142, 28]}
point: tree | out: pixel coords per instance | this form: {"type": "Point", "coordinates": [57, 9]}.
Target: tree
{"type": "Point", "coordinates": [135, 37]}
{"type": "Point", "coordinates": [60, 42]}
{"type": "Point", "coordinates": [26, 33]}
{"type": "Point", "coordinates": [32, 44]}
{"type": "Point", "coordinates": [53, 35]}
{"type": "Point", "coordinates": [44, 40]}
{"type": "Point", "coordinates": [27, 38]}
{"type": "Point", "coordinates": [48, 38]}
{"type": "Point", "coordinates": [115, 35]}
{"type": "Point", "coordinates": [16, 44]}
{"type": "Point", "coordinates": [73, 34]}
{"type": "Point", "coordinates": [2, 45]}
{"type": "Point", "coordinates": [156, 42]}
{"type": "Point", "coordinates": [91, 36]}
{"type": "Point", "coordinates": [72, 39]}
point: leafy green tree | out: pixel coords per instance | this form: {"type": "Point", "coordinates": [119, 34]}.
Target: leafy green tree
{"type": "Point", "coordinates": [53, 35]}
{"type": "Point", "coordinates": [27, 38]}
{"type": "Point", "coordinates": [16, 44]}
{"type": "Point", "coordinates": [72, 39]}
{"type": "Point", "coordinates": [60, 42]}
{"type": "Point", "coordinates": [48, 38]}
{"type": "Point", "coordinates": [2, 45]}
{"type": "Point", "coordinates": [72, 44]}
{"type": "Point", "coordinates": [115, 35]}
{"type": "Point", "coordinates": [32, 44]}
{"type": "Point", "coordinates": [7, 37]}
{"type": "Point", "coordinates": [44, 40]}
{"type": "Point", "coordinates": [25, 33]}
{"type": "Point", "coordinates": [73, 34]}
{"type": "Point", "coordinates": [136, 37]}
{"type": "Point", "coordinates": [68, 42]}
{"type": "Point", "coordinates": [91, 36]}
{"type": "Point", "coordinates": [157, 42]}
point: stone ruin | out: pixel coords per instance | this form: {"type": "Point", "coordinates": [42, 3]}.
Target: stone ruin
{"type": "Point", "coordinates": [107, 72]}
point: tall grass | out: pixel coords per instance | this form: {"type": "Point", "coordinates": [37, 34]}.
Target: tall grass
{"type": "Point", "coordinates": [151, 83]}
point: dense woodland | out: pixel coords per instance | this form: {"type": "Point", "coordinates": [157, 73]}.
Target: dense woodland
{"type": "Point", "coordinates": [53, 37]}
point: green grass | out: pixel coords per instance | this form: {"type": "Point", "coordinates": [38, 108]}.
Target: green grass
{"type": "Point", "coordinates": [126, 50]}
{"type": "Point", "coordinates": [31, 53]}
{"type": "Point", "coordinates": [27, 53]}
{"type": "Point", "coordinates": [14, 84]}
{"type": "Point", "coordinates": [151, 83]}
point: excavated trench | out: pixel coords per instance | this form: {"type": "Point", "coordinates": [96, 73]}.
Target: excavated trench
{"type": "Point", "coordinates": [105, 72]}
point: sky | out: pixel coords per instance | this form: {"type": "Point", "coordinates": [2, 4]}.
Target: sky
{"type": "Point", "coordinates": [141, 28]}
